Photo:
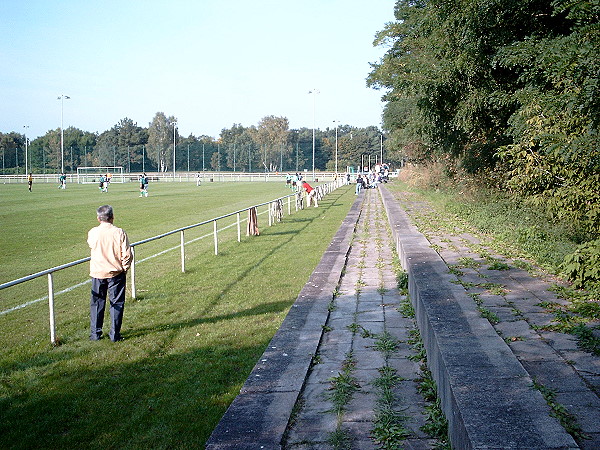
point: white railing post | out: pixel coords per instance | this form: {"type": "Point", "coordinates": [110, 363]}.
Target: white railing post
{"type": "Point", "coordinates": [289, 206]}
{"type": "Point", "coordinates": [239, 231]}
{"type": "Point", "coordinates": [182, 252]}
{"type": "Point", "coordinates": [215, 237]}
{"type": "Point", "coordinates": [51, 308]}
{"type": "Point", "coordinates": [133, 294]}
{"type": "Point", "coordinates": [269, 214]}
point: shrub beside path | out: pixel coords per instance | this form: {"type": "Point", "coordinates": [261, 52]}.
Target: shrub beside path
{"type": "Point", "coordinates": [343, 370]}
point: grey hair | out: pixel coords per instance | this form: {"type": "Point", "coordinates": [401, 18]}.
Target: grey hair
{"type": "Point", "coordinates": [105, 213]}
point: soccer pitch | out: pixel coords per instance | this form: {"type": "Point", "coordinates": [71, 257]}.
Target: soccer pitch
{"type": "Point", "coordinates": [48, 226]}
{"type": "Point", "coordinates": [190, 339]}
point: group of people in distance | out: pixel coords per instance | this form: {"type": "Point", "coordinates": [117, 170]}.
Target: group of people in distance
{"type": "Point", "coordinates": [372, 178]}
{"type": "Point", "coordinates": [62, 181]}
{"type": "Point", "coordinates": [297, 184]}
{"type": "Point", "coordinates": [143, 185]}
{"type": "Point", "coordinates": [104, 182]}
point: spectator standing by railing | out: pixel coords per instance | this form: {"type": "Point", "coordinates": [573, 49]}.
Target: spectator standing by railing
{"type": "Point", "coordinates": [110, 259]}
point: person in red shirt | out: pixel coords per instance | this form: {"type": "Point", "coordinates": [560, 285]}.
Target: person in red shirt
{"type": "Point", "coordinates": [311, 193]}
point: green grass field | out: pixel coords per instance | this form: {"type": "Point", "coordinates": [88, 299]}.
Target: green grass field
{"type": "Point", "coordinates": [190, 339]}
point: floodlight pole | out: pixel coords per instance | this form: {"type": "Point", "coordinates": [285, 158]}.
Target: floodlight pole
{"type": "Point", "coordinates": [314, 92]}
{"type": "Point", "coordinates": [336, 145]}
{"type": "Point", "coordinates": [26, 166]}
{"type": "Point", "coordinates": [62, 134]}
{"type": "Point", "coordinates": [174, 129]}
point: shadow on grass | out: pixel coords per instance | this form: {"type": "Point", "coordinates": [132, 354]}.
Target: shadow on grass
{"type": "Point", "coordinates": [326, 204]}
{"type": "Point", "coordinates": [151, 403]}
{"type": "Point", "coordinates": [263, 308]}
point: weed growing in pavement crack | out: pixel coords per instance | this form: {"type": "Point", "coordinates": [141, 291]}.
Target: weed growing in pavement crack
{"type": "Point", "coordinates": [402, 281]}
{"type": "Point", "coordinates": [340, 440]}
{"type": "Point", "coordinates": [406, 308]}
{"type": "Point", "coordinates": [586, 339]}
{"type": "Point", "coordinates": [356, 328]}
{"type": "Point", "coordinates": [489, 315]}
{"type": "Point", "coordinates": [466, 262]}
{"type": "Point", "coordinates": [454, 270]}
{"type": "Point", "coordinates": [436, 424]}
{"type": "Point", "coordinates": [342, 388]}
{"type": "Point", "coordinates": [343, 385]}
{"type": "Point", "coordinates": [566, 419]}
{"type": "Point", "coordinates": [498, 265]}
{"type": "Point", "coordinates": [388, 428]}
{"type": "Point", "coordinates": [386, 344]}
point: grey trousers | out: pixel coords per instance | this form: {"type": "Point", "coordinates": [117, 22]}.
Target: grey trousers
{"type": "Point", "coordinates": [115, 288]}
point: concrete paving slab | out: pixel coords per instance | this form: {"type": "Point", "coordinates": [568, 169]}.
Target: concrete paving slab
{"type": "Point", "coordinates": [368, 359]}
{"type": "Point", "coordinates": [361, 407]}
{"type": "Point", "coordinates": [312, 428]}
{"type": "Point", "coordinates": [369, 316]}
{"type": "Point", "coordinates": [405, 368]}
{"type": "Point", "coordinates": [334, 352]}
{"type": "Point", "coordinates": [534, 349]}
{"type": "Point", "coordinates": [324, 371]}
{"type": "Point", "coordinates": [557, 375]}
{"type": "Point", "coordinates": [370, 306]}
{"type": "Point", "coordinates": [560, 342]}
{"type": "Point", "coordinates": [488, 300]}
{"type": "Point", "coordinates": [516, 328]}
{"type": "Point", "coordinates": [504, 313]}
{"type": "Point", "coordinates": [585, 406]}
{"type": "Point", "coordinates": [254, 421]}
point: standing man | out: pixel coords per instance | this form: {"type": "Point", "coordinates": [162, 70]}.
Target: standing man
{"type": "Point", "coordinates": [110, 259]}
{"type": "Point", "coordinates": [30, 181]}
{"type": "Point", "coordinates": [359, 184]}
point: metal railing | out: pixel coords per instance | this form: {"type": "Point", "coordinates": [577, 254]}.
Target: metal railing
{"type": "Point", "coordinates": [322, 190]}
{"type": "Point", "coordinates": [205, 177]}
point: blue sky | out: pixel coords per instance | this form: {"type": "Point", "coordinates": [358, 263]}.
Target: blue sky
{"type": "Point", "coordinates": [209, 63]}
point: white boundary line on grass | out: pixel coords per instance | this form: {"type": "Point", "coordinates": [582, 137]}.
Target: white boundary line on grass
{"type": "Point", "coordinates": [69, 289]}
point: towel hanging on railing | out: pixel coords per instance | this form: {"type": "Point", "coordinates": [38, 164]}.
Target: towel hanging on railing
{"type": "Point", "coordinates": [252, 229]}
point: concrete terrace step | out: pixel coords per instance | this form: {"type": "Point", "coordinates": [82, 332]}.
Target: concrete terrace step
{"type": "Point", "coordinates": [485, 392]}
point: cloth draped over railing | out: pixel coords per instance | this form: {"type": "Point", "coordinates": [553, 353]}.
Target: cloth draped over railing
{"type": "Point", "coordinates": [252, 228]}
{"type": "Point", "coordinates": [276, 211]}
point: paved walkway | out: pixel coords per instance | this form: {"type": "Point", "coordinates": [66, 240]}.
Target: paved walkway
{"type": "Point", "coordinates": [364, 318]}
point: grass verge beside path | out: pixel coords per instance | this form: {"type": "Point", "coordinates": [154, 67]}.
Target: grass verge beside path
{"type": "Point", "coordinates": [513, 230]}
{"type": "Point", "coordinates": [190, 342]}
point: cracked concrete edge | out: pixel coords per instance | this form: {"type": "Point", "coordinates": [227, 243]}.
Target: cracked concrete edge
{"type": "Point", "coordinates": [485, 393]}
{"type": "Point", "coordinates": [258, 417]}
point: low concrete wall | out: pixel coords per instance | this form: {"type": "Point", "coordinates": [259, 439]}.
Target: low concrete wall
{"type": "Point", "coordinates": [485, 393]}
{"type": "Point", "coordinates": [259, 415]}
